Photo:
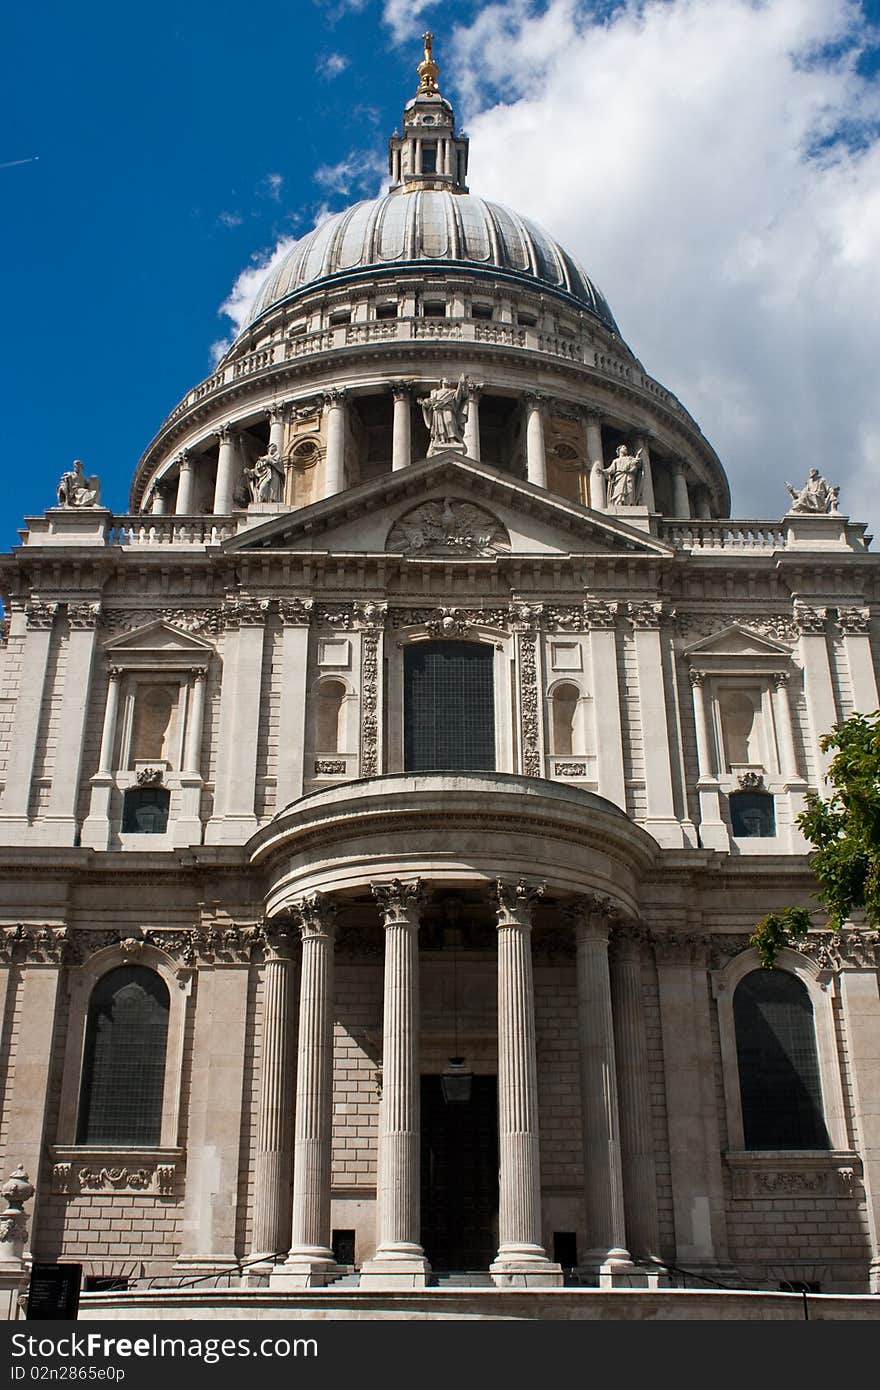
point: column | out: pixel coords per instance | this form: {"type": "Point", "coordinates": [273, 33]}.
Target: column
{"type": "Point", "coordinates": [521, 1259]}
{"type": "Point", "coordinates": [187, 829]}
{"type": "Point", "coordinates": [208, 1238]}
{"type": "Point", "coordinates": [35, 625]}
{"type": "Point", "coordinates": [536, 457]}
{"type": "Point", "coordinates": [861, 1009]}
{"type": "Point", "coordinates": [61, 823]}
{"type": "Point", "coordinates": [636, 1131]}
{"type": "Point", "coordinates": [704, 509]}
{"type": "Point", "coordinates": [158, 504]}
{"type": "Point", "coordinates": [472, 423]}
{"type": "Point", "coordinates": [311, 1258]}
{"type": "Point", "coordinates": [692, 1106]}
{"type": "Point", "coordinates": [642, 442]}
{"type": "Point", "coordinates": [595, 458]}
{"type": "Point", "coordinates": [713, 831]}
{"type": "Point", "coordinates": [334, 463]}
{"type": "Point", "coordinates": [296, 615]}
{"type": "Point", "coordinates": [239, 725]}
{"type": "Point", "coordinates": [681, 502]}
{"type": "Point", "coordinates": [226, 469]}
{"type": "Point", "coordinates": [606, 1255]}
{"type": "Point", "coordinates": [785, 728]}
{"type": "Point", "coordinates": [661, 819]}
{"type": "Point", "coordinates": [183, 505]}
{"type": "Point", "coordinates": [399, 1261]}
{"type": "Point", "coordinates": [818, 687]}
{"type": "Point", "coordinates": [855, 623]}
{"type": "Point", "coordinates": [272, 1162]}
{"type": "Point", "coordinates": [278, 426]}
{"type": "Point", "coordinates": [602, 618]}
{"type": "Point", "coordinates": [401, 427]}
{"type": "Point", "coordinates": [96, 826]}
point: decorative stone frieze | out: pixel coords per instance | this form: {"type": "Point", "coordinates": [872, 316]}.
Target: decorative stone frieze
{"type": "Point", "coordinates": [778, 626]}
{"type": "Point", "coordinates": [40, 615]}
{"type": "Point", "coordinates": [451, 527]}
{"type": "Point", "coordinates": [751, 781]}
{"type": "Point", "coordinates": [370, 664]}
{"type": "Point", "coordinates": [34, 944]}
{"type": "Point", "coordinates": [570, 769]}
{"type": "Point", "coordinates": [565, 617]}
{"type": "Point", "coordinates": [764, 1176]}
{"type": "Point", "coordinates": [370, 616]}
{"type": "Point", "coordinates": [854, 621]}
{"type": "Point", "coordinates": [244, 611]}
{"type": "Point", "coordinates": [600, 615]}
{"type": "Point", "coordinates": [853, 949]}
{"type": "Point", "coordinates": [529, 705]}
{"type": "Point", "coordinates": [448, 621]}
{"type": "Point", "coordinates": [150, 776]}
{"type": "Point", "coordinates": [340, 615]}
{"type": "Point", "coordinates": [329, 767]}
{"type": "Point", "coordinates": [809, 622]}
{"type": "Point", "coordinates": [137, 1173]}
{"type": "Point", "coordinates": [199, 621]}
{"type": "Point", "coordinates": [645, 615]}
{"type": "Point", "coordinates": [296, 612]}
{"type": "Point", "coordinates": [84, 616]}
{"type": "Point", "coordinates": [525, 617]}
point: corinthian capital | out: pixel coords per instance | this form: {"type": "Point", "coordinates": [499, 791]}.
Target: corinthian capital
{"type": "Point", "coordinates": [316, 916]}
{"type": "Point", "coordinates": [591, 916]}
{"type": "Point", "coordinates": [515, 901]}
{"type": "Point", "coordinates": [399, 902]}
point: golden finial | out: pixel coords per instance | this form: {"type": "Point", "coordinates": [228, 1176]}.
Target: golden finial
{"type": "Point", "coordinates": [428, 69]}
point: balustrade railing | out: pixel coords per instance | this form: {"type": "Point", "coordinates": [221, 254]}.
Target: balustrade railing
{"type": "Point", "coordinates": [148, 530]}
{"type": "Point", "coordinates": [724, 535]}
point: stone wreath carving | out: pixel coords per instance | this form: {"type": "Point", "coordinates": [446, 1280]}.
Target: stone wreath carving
{"type": "Point", "coordinates": [448, 527]}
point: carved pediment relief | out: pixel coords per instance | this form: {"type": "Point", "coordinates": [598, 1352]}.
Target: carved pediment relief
{"type": "Point", "coordinates": [450, 526]}
{"type": "Point", "coordinates": [158, 644]}
{"type": "Point", "coordinates": [737, 641]}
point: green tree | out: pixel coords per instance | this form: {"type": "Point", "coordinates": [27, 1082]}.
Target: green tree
{"type": "Point", "coordinates": [845, 834]}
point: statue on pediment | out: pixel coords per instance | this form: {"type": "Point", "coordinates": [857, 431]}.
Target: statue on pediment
{"type": "Point", "coordinates": [445, 412]}
{"type": "Point", "coordinates": [448, 527]}
{"type": "Point", "coordinates": [816, 495]}
{"type": "Point", "coordinates": [625, 474]}
{"type": "Point", "coordinates": [265, 479]}
{"type": "Point", "coordinates": [76, 489]}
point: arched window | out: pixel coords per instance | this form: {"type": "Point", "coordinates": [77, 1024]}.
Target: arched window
{"type": "Point", "coordinates": [448, 707]}
{"type": "Point", "coordinates": [123, 1073]}
{"type": "Point", "coordinates": [145, 810]}
{"type": "Point", "coordinates": [329, 733]}
{"type": "Point", "coordinates": [752, 813]}
{"type": "Point", "coordinates": [565, 703]}
{"type": "Point", "coordinates": [779, 1084]}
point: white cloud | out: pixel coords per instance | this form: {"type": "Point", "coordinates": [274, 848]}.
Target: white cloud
{"type": "Point", "coordinates": [332, 64]}
{"type": "Point", "coordinates": [403, 17]}
{"type": "Point", "coordinates": [230, 219]}
{"type": "Point", "coordinates": [716, 166]}
{"type": "Point", "coordinates": [271, 186]}
{"type": "Point", "coordinates": [247, 286]}
{"type": "Point", "coordinates": [361, 171]}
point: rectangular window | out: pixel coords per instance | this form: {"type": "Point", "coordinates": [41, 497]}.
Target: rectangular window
{"type": "Point", "coordinates": [526, 320]}
{"type": "Point", "coordinates": [429, 159]}
{"type": "Point", "coordinates": [340, 316]}
{"type": "Point", "coordinates": [386, 311]}
{"type": "Point", "coordinates": [481, 311]}
{"type": "Point", "coordinates": [434, 309]}
{"type": "Point", "coordinates": [449, 707]}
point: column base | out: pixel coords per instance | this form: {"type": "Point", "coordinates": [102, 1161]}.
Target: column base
{"type": "Point", "coordinates": [304, 1269]}
{"type": "Point", "coordinates": [396, 1267]}
{"type": "Point", "coordinates": [525, 1267]}
{"type": "Point", "coordinates": [622, 1274]}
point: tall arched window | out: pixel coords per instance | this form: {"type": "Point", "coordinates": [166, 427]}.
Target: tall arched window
{"type": "Point", "coordinates": [448, 707]}
{"type": "Point", "coordinates": [780, 1090]}
{"type": "Point", "coordinates": [329, 735]}
{"type": "Point", "coordinates": [123, 1074]}
{"type": "Point", "coordinates": [565, 703]}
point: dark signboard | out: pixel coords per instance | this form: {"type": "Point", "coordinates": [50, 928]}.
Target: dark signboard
{"type": "Point", "coordinates": [54, 1291]}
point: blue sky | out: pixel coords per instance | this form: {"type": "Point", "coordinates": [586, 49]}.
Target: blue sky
{"type": "Point", "coordinates": [177, 144]}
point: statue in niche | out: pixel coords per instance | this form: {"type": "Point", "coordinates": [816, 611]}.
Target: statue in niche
{"type": "Point", "coordinates": [266, 479]}
{"type": "Point", "coordinates": [625, 474]}
{"type": "Point", "coordinates": [445, 412]}
{"type": "Point", "coordinates": [77, 490]}
{"type": "Point", "coordinates": [816, 495]}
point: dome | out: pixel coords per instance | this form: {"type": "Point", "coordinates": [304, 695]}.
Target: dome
{"type": "Point", "coordinates": [429, 228]}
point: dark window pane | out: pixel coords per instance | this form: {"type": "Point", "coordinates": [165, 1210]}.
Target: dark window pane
{"type": "Point", "coordinates": [124, 1062]}
{"type": "Point", "coordinates": [429, 159]}
{"type": "Point", "coordinates": [145, 810]}
{"type": "Point", "coordinates": [752, 813]}
{"type": "Point", "coordinates": [449, 707]}
{"type": "Point", "coordinates": [778, 1066]}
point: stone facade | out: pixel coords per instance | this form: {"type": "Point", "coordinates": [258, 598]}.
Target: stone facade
{"type": "Point", "coordinates": [207, 772]}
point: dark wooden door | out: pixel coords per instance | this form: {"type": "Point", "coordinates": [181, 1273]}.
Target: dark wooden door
{"type": "Point", "coordinates": [460, 1176]}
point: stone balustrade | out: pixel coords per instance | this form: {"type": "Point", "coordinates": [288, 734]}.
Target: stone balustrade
{"type": "Point", "coordinates": [724, 535]}
{"type": "Point", "coordinates": [147, 530]}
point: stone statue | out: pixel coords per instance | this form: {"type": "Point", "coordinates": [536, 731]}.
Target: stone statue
{"type": "Point", "coordinates": [266, 479]}
{"type": "Point", "coordinates": [816, 495]}
{"type": "Point", "coordinates": [625, 474]}
{"type": "Point", "coordinates": [77, 490]}
{"type": "Point", "coordinates": [445, 412]}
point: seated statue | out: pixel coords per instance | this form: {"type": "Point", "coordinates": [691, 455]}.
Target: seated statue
{"type": "Point", "coordinates": [816, 495]}
{"type": "Point", "coordinates": [77, 490]}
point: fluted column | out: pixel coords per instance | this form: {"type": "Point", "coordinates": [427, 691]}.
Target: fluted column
{"type": "Point", "coordinates": [111, 714]}
{"type": "Point", "coordinates": [277, 427]}
{"type": "Point", "coordinates": [188, 824]}
{"type": "Point", "coordinates": [399, 1261]}
{"type": "Point", "coordinates": [157, 507]}
{"type": "Point", "coordinates": [681, 502]}
{"type": "Point", "coordinates": [96, 827]}
{"type": "Point", "coordinates": [787, 749]}
{"type": "Point", "coordinates": [521, 1257]}
{"type": "Point", "coordinates": [634, 1100]}
{"type": "Point", "coordinates": [334, 463]}
{"type": "Point", "coordinates": [472, 423]}
{"type": "Point", "coordinates": [310, 1256]}
{"type": "Point", "coordinates": [606, 1254]}
{"type": "Point", "coordinates": [595, 458]}
{"type": "Point", "coordinates": [536, 454]}
{"type": "Point", "coordinates": [401, 428]}
{"type": "Point", "coordinates": [224, 486]}
{"type": "Point", "coordinates": [185, 478]}
{"type": "Point", "coordinates": [704, 756]}
{"type": "Point", "coordinates": [271, 1228]}
{"type": "Point", "coordinates": [194, 723]}
{"type": "Point", "coordinates": [713, 831]}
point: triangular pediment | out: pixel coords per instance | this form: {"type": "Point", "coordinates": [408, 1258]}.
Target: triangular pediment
{"type": "Point", "coordinates": [451, 507]}
{"type": "Point", "coordinates": [157, 637]}
{"type": "Point", "coordinates": [737, 641]}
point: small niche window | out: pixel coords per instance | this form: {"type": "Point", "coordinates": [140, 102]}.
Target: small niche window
{"type": "Point", "coordinates": [481, 311]}
{"type": "Point", "coordinates": [741, 727]}
{"type": "Point", "coordinates": [434, 309]}
{"type": "Point", "coordinates": [339, 316]}
{"type": "Point", "coordinates": [565, 702]}
{"type": "Point", "coordinates": [329, 734]}
{"type": "Point", "coordinates": [145, 810]}
{"type": "Point", "coordinates": [154, 728]}
{"type": "Point", "coordinates": [429, 158]}
{"type": "Point", "coordinates": [527, 320]}
{"type": "Point", "coordinates": [123, 1075]}
{"type": "Point", "coordinates": [752, 814]}
{"type": "Point", "coordinates": [386, 311]}
{"type": "Point", "coordinates": [780, 1090]}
